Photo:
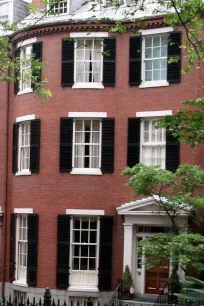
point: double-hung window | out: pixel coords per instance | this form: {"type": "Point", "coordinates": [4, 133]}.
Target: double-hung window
{"type": "Point", "coordinates": [153, 143]}
{"type": "Point", "coordinates": [155, 58]}
{"type": "Point", "coordinates": [24, 146]}
{"type": "Point", "coordinates": [87, 144]}
{"type": "Point", "coordinates": [149, 145]}
{"type": "Point", "coordinates": [88, 62]}
{"type": "Point", "coordinates": [22, 247]}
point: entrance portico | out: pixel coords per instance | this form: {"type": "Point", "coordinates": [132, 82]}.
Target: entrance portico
{"type": "Point", "coordinates": [143, 218]}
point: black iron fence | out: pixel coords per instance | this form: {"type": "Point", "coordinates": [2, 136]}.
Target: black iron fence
{"type": "Point", "coordinates": [116, 300]}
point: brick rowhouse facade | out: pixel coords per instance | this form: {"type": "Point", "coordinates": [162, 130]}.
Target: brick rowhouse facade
{"type": "Point", "coordinates": [51, 192]}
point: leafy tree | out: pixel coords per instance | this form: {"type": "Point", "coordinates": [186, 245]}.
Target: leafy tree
{"type": "Point", "coordinates": [173, 193]}
{"type": "Point", "coordinates": [193, 290]}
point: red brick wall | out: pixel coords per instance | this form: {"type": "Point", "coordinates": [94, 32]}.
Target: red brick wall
{"type": "Point", "coordinates": [3, 137]}
{"type": "Point", "coordinates": [50, 192]}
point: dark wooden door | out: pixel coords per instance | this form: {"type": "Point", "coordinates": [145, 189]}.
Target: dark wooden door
{"type": "Point", "coordinates": [156, 279]}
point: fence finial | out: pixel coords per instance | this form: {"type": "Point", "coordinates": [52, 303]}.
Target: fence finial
{"type": "Point", "coordinates": [47, 297]}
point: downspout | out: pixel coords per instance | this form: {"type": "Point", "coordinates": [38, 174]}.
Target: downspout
{"type": "Point", "coordinates": [6, 190]}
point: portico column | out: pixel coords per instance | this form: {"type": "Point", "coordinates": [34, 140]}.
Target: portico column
{"type": "Point", "coordinates": [128, 244]}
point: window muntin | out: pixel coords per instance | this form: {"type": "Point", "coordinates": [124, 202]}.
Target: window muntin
{"type": "Point", "coordinates": [84, 244]}
{"type": "Point", "coordinates": [25, 68]}
{"type": "Point", "coordinates": [59, 7]}
{"type": "Point", "coordinates": [88, 61]}
{"type": "Point", "coordinates": [155, 57]}
{"type": "Point", "coordinates": [87, 143]}
{"type": "Point", "coordinates": [24, 146]}
{"type": "Point", "coordinates": [22, 246]}
{"type": "Point", "coordinates": [153, 143]}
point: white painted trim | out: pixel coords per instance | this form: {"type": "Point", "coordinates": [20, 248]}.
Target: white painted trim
{"type": "Point", "coordinates": [88, 34]}
{"type": "Point", "coordinates": [25, 118]}
{"type": "Point", "coordinates": [88, 85]}
{"type": "Point", "coordinates": [83, 288]}
{"type": "Point", "coordinates": [85, 212]}
{"type": "Point", "coordinates": [19, 283]}
{"type": "Point", "coordinates": [86, 171]}
{"type": "Point", "coordinates": [154, 113]}
{"type": "Point", "coordinates": [87, 114]}
{"type": "Point", "coordinates": [149, 84]}
{"type": "Point", "coordinates": [27, 42]}
{"type": "Point", "coordinates": [29, 90]}
{"type": "Point", "coordinates": [156, 31]}
{"type": "Point", "coordinates": [23, 172]}
{"type": "Point", "coordinates": [23, 210]}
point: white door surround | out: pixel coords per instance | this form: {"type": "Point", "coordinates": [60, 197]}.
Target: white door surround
{"type": "Point", "coordinates": [144, 212]}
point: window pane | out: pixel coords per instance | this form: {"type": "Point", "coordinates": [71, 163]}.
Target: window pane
{"type": "Point", "coordinates": [156, 41]}
{"type": "Point", "coordinates": [76, 223]}
{"type": "Point", "coordinates": [148, 65]}
{"type": "Point", "coordinates": [156, 64]}
{"type": "Point", "coordinates": [164, 51]}
{"type": "Point", "coordinates": [84, 262]}
{"type": "Point", "coordinates": [93, 224]}
{"type": "Point", "coordinates": [76, 250]}
{"type": "Point", "coordinates": [92, 251]}
{"type": "Point", "coordinates": [84, 251]}
{"type": "Point", "coordinates": [96, 125]}
{"type": "Point", "coordinates": [163, 63]}
{"type": "Point", "coordinates": [84, 237]}
{"type": "Point", "coordinates": [75, 263]}
{"type": "Point", "coordinates": [148, 42]}
{"type": "Point", "coordinates": [92, 237]}
{"type": "Point", "coordinates": [156, 75]}
{"type": "Point", "coordinates": [164, 40]}
{"type": "Point", "coordinates": [85, 223]}
{"type": "Point", "coordinates": [148, 53]}
{"type": "Point", "coordinates": [163, 74]}
{"type": "Point", "coordinates": [92, 264]}
{"type": "Point", "coordinates": [76, 236]}
{"type": "Point", "coordinates": [148, 76]}
{"type": "Point", "coordinates": [156, 52]}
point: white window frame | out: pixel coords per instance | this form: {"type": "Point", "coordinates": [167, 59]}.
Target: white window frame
{"type": "Point", "coordinates": [74, 286]}
{"type": "Point", "coordinates": [151, 144]}
{"type": "Point", "coordinates": [89, 171]}
{"type": "Point", "coordinates": [151, 33]}
{"type": "Point", "coordinates": [94, 85]}
{"type": "Point", "coordinates": [20, 281]}
{"type": "Point", "coordinates": [22, 171]}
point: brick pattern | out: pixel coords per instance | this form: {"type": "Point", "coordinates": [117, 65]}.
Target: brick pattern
{"type": "Point", "coordinates": [50, 192]}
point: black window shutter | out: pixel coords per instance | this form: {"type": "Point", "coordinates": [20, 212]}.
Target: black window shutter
{"type": "Point", "coordinates": [37, 52]}
{"type": "Point", "coordinates": [35, 146]}
{"type": "Point", "coordinates": [32, 261]}
{"type": "Point", "coordinates": [63, 250]}
{"type": "Point", "coordinates": [15, 148]}
{"type": "Point", "coordinates": [105, 253]}
{"type": "Point", "coordinates": [66, 135]}
{"type": "Point", "coordinates": [67, 62]}
{"type": "Point", "coordinates": [12, 247]}
{"type": "Point", "coordinates": [135, 65]}
{"type": "Point", "coordinates": [16, 73]}
{"type": "Point", "coordinates": [174, 69]}
{"type": "Point", "coordinates": [109, 62]}
{"type": "Point", "coordinates": [133, 157]}
{"type": "Point", "coordinates": [172, 152]}
{"type": "Point", "coordinates": [108, 135]}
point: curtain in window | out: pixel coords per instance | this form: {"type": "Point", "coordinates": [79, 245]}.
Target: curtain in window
{"type": "Point", "coordinates": [79, 140]}
{"type": "Point", "coordinates": [88, 63]}
{"type": "Point", "coordinates": [95, 146]}
{"type": "Point", "coordinates": [96, 57]}
{"type": "Point", "coordinates": [80, 61]}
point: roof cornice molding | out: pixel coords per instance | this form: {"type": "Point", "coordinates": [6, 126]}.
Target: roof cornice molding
{"type": "Point", "coordinates": [48, 29]}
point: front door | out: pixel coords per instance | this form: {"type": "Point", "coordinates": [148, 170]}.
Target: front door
{"type": "Point", "coordinates": [156, 279]}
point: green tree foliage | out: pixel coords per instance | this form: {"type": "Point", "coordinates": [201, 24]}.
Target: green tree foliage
{"type": "Point", "coordinates": [188, 123]}
{"type": "Point", "coordinates": [193, 290]}
{"type": "Point", "coordinates": [174, 193]}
